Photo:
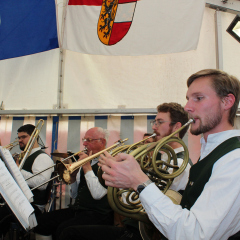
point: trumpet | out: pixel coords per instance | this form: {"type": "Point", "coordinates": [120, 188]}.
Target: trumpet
{"type": "Point", "coordinates": [57, 176]}
{"type": "Point", "coordinates": [65, 170]}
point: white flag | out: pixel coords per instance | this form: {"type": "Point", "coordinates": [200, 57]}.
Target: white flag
{"type": "Point", "coordinates": [132, 27]}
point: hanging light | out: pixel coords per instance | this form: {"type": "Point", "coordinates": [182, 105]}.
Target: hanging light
{"type": "Point", "coordinates": [234, 28]}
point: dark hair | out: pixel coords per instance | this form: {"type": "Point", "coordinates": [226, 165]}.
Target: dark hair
{"type": "Point", "coordinates": [177, 114]}
{"type": "Point", "coordinates": [223, 84]}
{"type": "Point", "coordinates": [28, 128]}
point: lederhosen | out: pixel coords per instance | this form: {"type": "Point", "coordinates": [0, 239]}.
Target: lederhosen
{"type": "Point", "coordinates": [202, 171]}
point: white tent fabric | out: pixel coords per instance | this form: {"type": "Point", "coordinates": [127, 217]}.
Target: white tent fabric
{"type": "Point", "coordinates": [102, 82]}
{"type": "Point", "coordinates": [37, 82]}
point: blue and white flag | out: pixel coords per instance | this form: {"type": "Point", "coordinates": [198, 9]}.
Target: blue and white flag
{"type": "Point", "coordinates": [27, 27]}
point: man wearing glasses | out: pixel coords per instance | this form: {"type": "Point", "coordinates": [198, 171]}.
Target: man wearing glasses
{"type": "Point", "coordinates": [91, 204]}
{"type": "Point", "coordinates": [170, 117]}
{"type": "Point", "coordinates": [36, 162]}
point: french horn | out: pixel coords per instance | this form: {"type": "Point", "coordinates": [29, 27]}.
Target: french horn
{"type": "Point", "coordinates": [162, 172]}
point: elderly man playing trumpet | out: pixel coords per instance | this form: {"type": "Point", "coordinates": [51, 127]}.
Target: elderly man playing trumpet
{"type": "Point", "coordinates": [91, 205]}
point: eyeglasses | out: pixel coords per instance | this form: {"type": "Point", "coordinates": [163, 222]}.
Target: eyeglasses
{"type": "Point", "coordinates": [90, 139]}
{"type": "Point", "coordinates": [158, 122]}
{"type": "Point", "coordinates": [22, 137]}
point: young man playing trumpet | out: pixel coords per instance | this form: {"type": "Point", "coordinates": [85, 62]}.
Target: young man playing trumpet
{"type": "Point", "coordinates": [210, 207]}
{"type": "Point", "coordinates": [91, 205]}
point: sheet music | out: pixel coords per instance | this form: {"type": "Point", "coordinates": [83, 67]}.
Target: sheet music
{"type": "Point", "coordinates": [15, 198]}
{"type": "Point", "coordinates": [17, 175]}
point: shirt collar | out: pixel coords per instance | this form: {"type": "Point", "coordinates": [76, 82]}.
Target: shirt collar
{"type": "Point", "coordinates": [34, 150]}
{"type": "Point", "coordinates": [216, 139]}
{"type": "Point", "coordinates": [180, 149]}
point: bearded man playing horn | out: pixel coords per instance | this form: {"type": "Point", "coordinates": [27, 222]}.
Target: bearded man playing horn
{"type": "Point", "coordinates": [210, 207]}
{"type": "Point", "coordinates": [91, 205]}
{"type": "Point", "coordinates": [170, 117]}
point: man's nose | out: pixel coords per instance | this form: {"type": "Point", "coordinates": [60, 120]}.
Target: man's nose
{"type": "Point", "coordinates": [188, 107]}
{"type": "Point", "coordinates": [154, 127]}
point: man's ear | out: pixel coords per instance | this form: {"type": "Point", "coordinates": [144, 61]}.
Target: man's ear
{"type": "Point", "coordinates": [104, 141]}
{"type": "Point", "coordinates": [177, 126]}
{"type": "Point", "coordinates": [228, 101]}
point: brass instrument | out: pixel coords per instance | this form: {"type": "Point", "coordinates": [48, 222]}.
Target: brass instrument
{"type": "Point", "coordinates": [156, 169]}
{"type": "Point", "coordinates": [24, 155]}
{"type": "Point", "coordinates": [57, 176]}
{"type": "Point", "coordinates": [11, 145]}
{"type": "Point", "coordinates": [123, 148]}
{"type": "Point", "coordinates": [65, 170]}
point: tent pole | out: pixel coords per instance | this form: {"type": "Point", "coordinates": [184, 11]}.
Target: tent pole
{"type": "Point", "coordinates": [60, 81]}
{"type": "Point", "coordinates": [219, 50]}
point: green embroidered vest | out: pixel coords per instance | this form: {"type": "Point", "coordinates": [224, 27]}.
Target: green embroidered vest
{"type": "Point", "coordinates": [202, 170]}
{"type": "Point", "coordinates": [84, 199]}
{"type": "Point", "coordinates": [40, 196]}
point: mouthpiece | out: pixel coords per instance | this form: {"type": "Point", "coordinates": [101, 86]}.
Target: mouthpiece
{"type": "Point", "coordinates": [122, 141]}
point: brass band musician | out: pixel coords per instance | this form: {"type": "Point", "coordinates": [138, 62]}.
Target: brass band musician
{"type": "Point", "coordinates": [37, 161]}
{"type": "Point", "coordinates": [210, 207]}
{"type": "Point", "coordinates": [170, 117]}
{"type": "Point", "coordinates": [91, 205]}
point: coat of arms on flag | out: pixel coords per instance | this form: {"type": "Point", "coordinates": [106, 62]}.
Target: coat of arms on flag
{"type": "Point", "coordinates": [115, 20]}
{"type": "Point", "coordinates": [132, 27]}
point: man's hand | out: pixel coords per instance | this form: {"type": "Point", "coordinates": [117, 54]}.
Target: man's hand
{"type": "Point", "coordinates": [87, 166]}
{"type": "Point", "coordinates": [73, 176]}
{"type": "Point", "coordinates": [122, 171]}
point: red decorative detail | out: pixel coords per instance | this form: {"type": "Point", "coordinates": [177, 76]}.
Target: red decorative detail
{"type": "Point", "coordinates": [119, 30]}
{"type": "Point", "coordinates": [86, 2]}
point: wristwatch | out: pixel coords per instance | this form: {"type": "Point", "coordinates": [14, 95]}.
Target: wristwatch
{"type": "Point", "coordinates": [143, 185]}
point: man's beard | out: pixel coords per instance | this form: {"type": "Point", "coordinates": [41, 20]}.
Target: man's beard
{"type": "Point", "coordinates": [22, 148]}
{"type": "Point", "coordinates": [159, 137]}
{"type": "Point", "coordinates": [209, 125]}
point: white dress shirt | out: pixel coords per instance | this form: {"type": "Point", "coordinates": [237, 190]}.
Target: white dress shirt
{"type": "Point", "coordinates": [216, 213]}
{"type": "Point", "coordinates": [41, 162]}
{"type": "Point", "coordinates": [96, 189]}
{"type": "Point", "coordinates": [180, 182]}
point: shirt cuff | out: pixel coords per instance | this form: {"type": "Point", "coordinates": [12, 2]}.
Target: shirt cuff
{"type": "Point", "coordinates": [89, 174]}
{"type": "Point", "coordinates": [74, 185]}
{"type": "Point", "coordinates": [151, 194]}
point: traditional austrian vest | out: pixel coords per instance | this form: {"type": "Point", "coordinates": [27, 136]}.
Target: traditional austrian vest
{"type": "Point", "coordinates": [202, 170]}
{"type": "Point", "coordinates": [40, 196]}
{"type": "Point", "coordinates": [84, 199]}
